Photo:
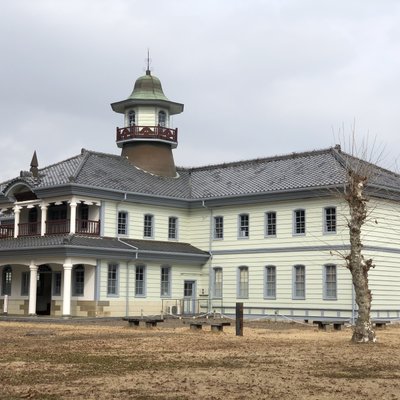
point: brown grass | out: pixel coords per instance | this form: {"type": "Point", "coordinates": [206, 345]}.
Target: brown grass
{"type": "Point", "coordinates": [271, 361]}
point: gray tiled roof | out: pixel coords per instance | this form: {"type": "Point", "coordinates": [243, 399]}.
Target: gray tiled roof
{"type": "Point", "coordinates": [48, 242]}
{"type": "Point", "coordinates": [316, 169]}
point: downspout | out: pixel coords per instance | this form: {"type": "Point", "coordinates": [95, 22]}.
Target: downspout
{"type": "Point", "coordinates": [127, 273]}
{"type": "Point", "coordinates": [211, 256]}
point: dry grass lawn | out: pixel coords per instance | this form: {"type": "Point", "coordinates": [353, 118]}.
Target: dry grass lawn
{"type": "Point", "coordinates": [271, 361]}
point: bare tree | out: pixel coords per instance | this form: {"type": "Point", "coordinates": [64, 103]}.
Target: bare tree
{"type": "Point", "coordinates": [359, 266]}
{"type": "Point", "coordinates": [361, 172]}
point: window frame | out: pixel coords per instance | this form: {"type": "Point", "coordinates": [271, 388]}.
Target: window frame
{"type": "Point", "coordinates": [113, 280]}
{"type": "Point", "coordinates": [165, 284]}
{"type": "Point", "coordinates": [295, 293]}
{"type": "Point", "coordinates": [146, 226]}
{"type": "Point", "coordinates": [77, 271]}
{"type": "Point", "coordinates": [326, 295]}
{"type": "Point", "coordinates": [25, 282]}
{"type": "Point", "coordinates": [267, 224]}
{"type": "Point", "coordinates": [143, 280]}
{"type": "Point", "coordinates": [218, 227]}
{"type": "Point", "coordinates": [54, 283]}
{"type": "Point", "coordinates": [267, 295]}
{"type": "Point", "coordinates": [131, 113]}
{"type": "Point", "coordinates": [301, 224]}
{"type": "Point", "coordinates": [243, 286]}
{"type": "Point", "coordinates": [122, 226]}
{"type": "Point", "coordinates": [217, 285]}
{"type": "Point", "coordinates": [326, 223]}
{"type": "Point", "coordinates": [162, 121]}
{"type": "Point", "coordinates": [6, 280]}
{"type": "Point", "coordinates": [174, 229]}
{"type": "Point", "coordinates": [243, 226]}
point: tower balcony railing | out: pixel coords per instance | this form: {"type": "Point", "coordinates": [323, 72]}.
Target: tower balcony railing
{"type": "Point", "coordinates": [147, 132]}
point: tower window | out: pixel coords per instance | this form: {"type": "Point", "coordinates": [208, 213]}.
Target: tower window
{"type": "Point", "coordinates": [162, 118]}
{"type": "Point", "coordinates": [131, 118]}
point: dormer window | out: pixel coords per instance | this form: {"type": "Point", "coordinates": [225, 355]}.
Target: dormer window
{"type": "Point", "coordinates": [162, 118]}
{"type": "Point", "coordinates": [131, 118]}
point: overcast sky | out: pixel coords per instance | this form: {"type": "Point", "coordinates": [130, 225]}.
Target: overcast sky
{"type": "Point", "coordinates": [258, 77]}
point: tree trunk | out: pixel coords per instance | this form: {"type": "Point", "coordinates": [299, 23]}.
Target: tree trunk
{"type": "Point", "coordinates": [356, 263]}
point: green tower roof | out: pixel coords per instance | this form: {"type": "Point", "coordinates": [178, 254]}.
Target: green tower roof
{"type": "Point", "coordinates": [147, 90]}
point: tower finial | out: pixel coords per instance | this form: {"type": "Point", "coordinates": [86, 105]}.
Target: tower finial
{"type": "Point", "coordinates": [148, 72]}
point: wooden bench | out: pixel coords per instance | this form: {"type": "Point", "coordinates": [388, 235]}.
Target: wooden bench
{"type": "Point", "coordinates": [322, 324]}
{"type": "Point", "coordinates": [149, 322]}
{"type": "Point", "coordinates": [380, 323]}
{"type": "Point", "coordinates": [196, 326]}
{"type": "Point", "coordinates": [219, 327]}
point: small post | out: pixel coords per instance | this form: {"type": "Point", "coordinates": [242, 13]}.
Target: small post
{"type": "Point", "coordinates": [5, 304]}
{"type": "Point", "coordinates": [239, 319]}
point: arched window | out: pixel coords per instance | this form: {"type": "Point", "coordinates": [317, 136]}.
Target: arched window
{"type": "Point", "coordinates": [131, 118]}
{"type": "Point", "coordinates": [78, 280]}
{"type": "Point", "coordinates": [162, 118]}
{"type": "Point", "coordinates": [6, 281]}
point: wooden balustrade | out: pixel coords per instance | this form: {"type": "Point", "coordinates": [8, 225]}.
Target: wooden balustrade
{"type": "Point", "coordinates": [87, 227]}
{"type": "Point", "coordinates": [53, 227]}
{"type": "Point", "coordinates": [147, 132]}
{"type": "Point", "coordinates": [6, 231]}
{"type": "Point", "coordinates": [29, 229]}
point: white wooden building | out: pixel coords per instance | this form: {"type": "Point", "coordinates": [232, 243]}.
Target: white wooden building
{"type": "Point", "coordinates": [106, 235]}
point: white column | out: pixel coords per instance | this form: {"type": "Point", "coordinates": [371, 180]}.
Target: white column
{"type": "Point", "coordinates": [43, 207]}
{"type": "Point", "coordinates": [67, 289]}
{"type": "Point", "coordinates": [17, 211]}
{"type": "Point", "coordinates": [32, 288]}
{"type": "Point", "coordinates": [72, 219]}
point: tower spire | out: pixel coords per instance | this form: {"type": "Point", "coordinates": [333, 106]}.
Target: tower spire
{"type": "Point", "coordinates": [148, 72]}
{"type": "Point", "coordinates": [34, 165]}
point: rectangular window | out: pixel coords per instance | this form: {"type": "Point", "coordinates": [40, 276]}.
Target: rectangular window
{"type": "Point", "coordinates": [78, 280]}
{"type": "Point", "coordinates": [330, 282]}
{"type": "Point", "coordinates": [270, 282]}
{"type": "Point", "coordinates": [299, 282]}
{"type": "Point", "coordinates": [122, 223]}
{"type": "Point", "coordinates": [25, 280]}
{"type": "Point", "coordinates": [112, 280]}
{"type": "Point", "coordinates": [299, 222]}
{"type": "Point", "coordinates": [172, 228]}
{"type": "Point", "coordinates": [6, 281]}
{"type": "Point", "coordinates": [330, 220]}
{"type": "Point", "coordinates": [165, 281]}
{"type": "Point", "coordinates": [244, 225]}
{"type": "Point", "coordinates": [140, 280]}
{"type": "Point", "coordinates": [218, 227]}
{"type": "Point", "coordinates": [57, 283]}
{"type": "Point", "coordinates": [243, 289]}
{"type": "Point", "coordinates": [270, 223]}
{"type": "Point", "coordinates": [148, 226]}
{"type": "Point", "coordinates": [217, 283]}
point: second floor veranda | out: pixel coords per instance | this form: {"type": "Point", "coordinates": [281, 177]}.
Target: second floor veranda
{"type": "Point", "coordinates": [52, 219]}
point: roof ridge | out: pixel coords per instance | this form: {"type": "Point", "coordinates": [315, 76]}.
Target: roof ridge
{"type": "Point", "coordinates": [85, 157]}
{"type": "Point", "coordinates": [259, 160]}
{"type": "Point", "coordinates": [338, 154]}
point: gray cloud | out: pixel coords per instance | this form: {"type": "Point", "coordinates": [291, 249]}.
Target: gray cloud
{"type": "Point", "coordinates": [258, 78]}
